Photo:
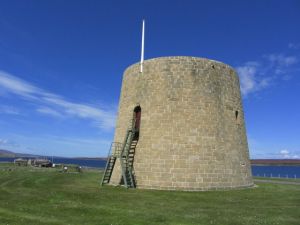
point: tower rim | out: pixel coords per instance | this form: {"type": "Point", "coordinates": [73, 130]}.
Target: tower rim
{"type": "Point", "coordinates": [195, 58]}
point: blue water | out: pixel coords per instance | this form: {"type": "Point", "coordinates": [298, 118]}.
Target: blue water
{"type": "Point", "coordinates": [276, 171]}
{"type": "Point", "coordinates": [260, 171]}
{"type": "Point", "coordinates": [98, 163]}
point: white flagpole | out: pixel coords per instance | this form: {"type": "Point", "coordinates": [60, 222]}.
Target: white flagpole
{"type": "Point", "coordinates": [142, 52]}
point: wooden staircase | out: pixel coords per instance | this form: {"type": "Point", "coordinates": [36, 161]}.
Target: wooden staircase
{"type": "Point", "coordinates": [125, 152]}
{"type": "Point", "coordinates": [114, 151]}
{"type": "Point", "coordinates": [127, 159]}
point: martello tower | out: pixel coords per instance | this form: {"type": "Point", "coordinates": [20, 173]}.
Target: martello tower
{"type": "Point", "coordinates": [180, 126]}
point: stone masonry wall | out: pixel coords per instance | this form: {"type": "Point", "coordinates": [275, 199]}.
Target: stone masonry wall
{"type": "Point", "coordinates": [192, 134]}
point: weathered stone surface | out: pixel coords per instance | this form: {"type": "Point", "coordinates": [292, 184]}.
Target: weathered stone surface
{"type": "Point", "coordinates": [192, 134]}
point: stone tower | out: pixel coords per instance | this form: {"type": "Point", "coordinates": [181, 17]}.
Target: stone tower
{"type": "Point", "coordinates": [191, 126]}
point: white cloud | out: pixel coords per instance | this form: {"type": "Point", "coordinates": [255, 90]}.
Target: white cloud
{"type": "Point", "coordinates": [284, 152]}
{"type": "Point", "coordinates": [101, 118]}
{"type": "Point", "coordinates": [8, 143]}
{"type": "Point", "coordinates": [79, 141]}
{"type": "Point", "coordinates": [55, 105]}
{"type": "Point", "coordinates": [288, 155]}
{"type": "Point", "coordinates": [49, 111]}
{"type": "Point", "coordinates": [261, 153]}
{"type": "Point", "coordinates": [249, 80]}
{"type": "Point", "coordinates": [17, 86]}
{"type": "Point", "coordinates": [258, 75]}
{"type": "Point", "coordinates": [3, 141]}
{"type": "Point", "coordinates": [280, 60]}
{"type": "Point", "coordinates": [294, 45]}
{"type": "Point", "coordinates": [4, 109]}
{"type": "Point", "coordinates": [70, 146]}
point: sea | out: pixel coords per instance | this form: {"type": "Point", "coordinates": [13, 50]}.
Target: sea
{"type": "Point", "coordinates": [257, 170]}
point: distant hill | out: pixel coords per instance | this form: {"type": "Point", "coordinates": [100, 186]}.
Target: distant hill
{"type": "Point", "coordinates": [10, 154]}
{"type": "Point", "coordinates": [275, 161]}
{"type": "Point", "coordinates": [6, 153]}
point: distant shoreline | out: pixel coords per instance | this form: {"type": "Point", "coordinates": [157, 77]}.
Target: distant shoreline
{"type": "Point", "coordinates": [275, 162]}
{"type": "Point", "coordinates": [87, 158]}
{"type": "Point", "coordinates": [20, 155]}
{"type": "Point", "coordinates": [256, 162]}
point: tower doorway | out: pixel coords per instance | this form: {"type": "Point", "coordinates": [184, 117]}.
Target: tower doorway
{"type": "Point", "coordinates": [137, 112]}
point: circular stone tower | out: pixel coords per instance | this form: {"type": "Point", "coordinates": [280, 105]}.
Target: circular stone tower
{"type": "Point", "coordinates": [191, 125]}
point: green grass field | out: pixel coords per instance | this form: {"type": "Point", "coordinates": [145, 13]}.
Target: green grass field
{"type": "Point", "coordinates": [279, 179]}
{"type": "Point", "coordinates": [46, 196]}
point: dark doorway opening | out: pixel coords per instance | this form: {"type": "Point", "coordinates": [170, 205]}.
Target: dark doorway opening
{"type": "Point", "coordinates": [137, 121]}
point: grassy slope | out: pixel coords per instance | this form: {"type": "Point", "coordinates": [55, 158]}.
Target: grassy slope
{"type": "Point", "coordinates": [45, 196]}
{"type": "Point", "coordinates": [279, 179]}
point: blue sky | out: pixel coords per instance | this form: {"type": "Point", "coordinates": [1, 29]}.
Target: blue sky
{"type": "Point", "coordinates": [61, 66]}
